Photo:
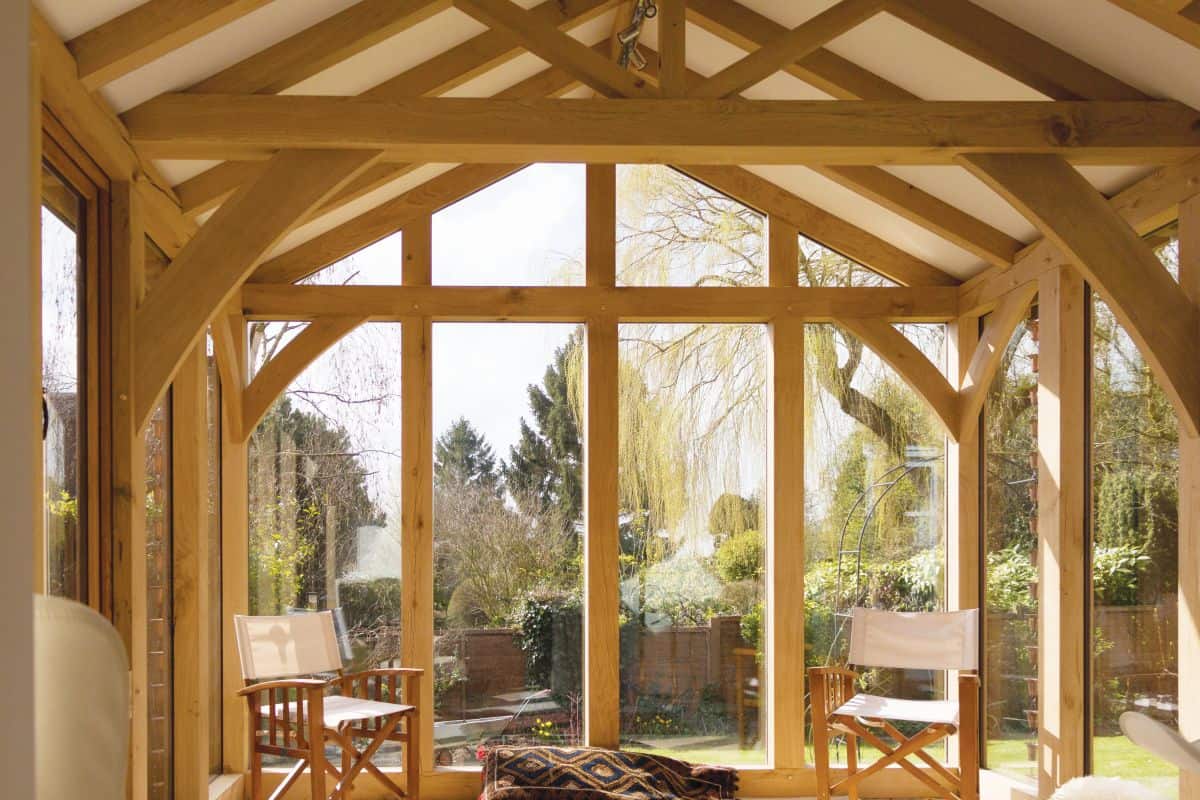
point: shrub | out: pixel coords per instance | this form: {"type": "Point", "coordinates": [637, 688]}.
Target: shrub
{"type": "Point", "coordinates": [740, 557]}
{"type": "Point", "coordinates": [370, 604]}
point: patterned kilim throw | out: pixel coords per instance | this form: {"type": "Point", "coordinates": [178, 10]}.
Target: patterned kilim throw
{"type": "Point", "coordinates": [584, 773]}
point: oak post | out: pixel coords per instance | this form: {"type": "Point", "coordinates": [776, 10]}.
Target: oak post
{"type": "Point", "coordinates": [416, 448]}
{"type": "Point", "coordinates": [190, 578]}
{"type": "Point", "coordinates": [963, 497]}
{"type": "Point", "coordinates": [602, 640]}
{"type": "Point", "coordinates": [1062, 540]}
{"type": "Point", "coordinates": [235, 549]}
{"type": "Point", "coordinates": [1189, 518]}
{"type": "Point", "coordinates": [129, 470]}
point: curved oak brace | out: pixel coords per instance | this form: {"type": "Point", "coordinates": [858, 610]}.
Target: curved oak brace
{"type": "Point", "coordinates": [219, 258]}
{"type": "Point", "coordinates": [912, 366]}
{"type": "Point", "coordinates": [227, 329]}
{"type": "Point", "coordinates": [1159, 318]}
{"type": "Point", "coordinates": [985, 361]}
{"type": "Point", "coordinates": [320, 335]}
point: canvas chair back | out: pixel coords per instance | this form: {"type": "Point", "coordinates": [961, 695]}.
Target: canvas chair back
{"type": "Point", "coordinates": [905, 640]}
{"type": "Point", "coordinates": [287, 646]}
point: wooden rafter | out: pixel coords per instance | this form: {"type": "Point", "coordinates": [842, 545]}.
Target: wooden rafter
{"type": "Point", "coordinates": [1146, 206]}
{"type": "Point", "coordinates": [222, 254]}
{"type": "Point", "coordinates": [801, 41]}
{"type": "Point", "coordinates": [147, 32]}
{"type": "Point", "coordinates": [923, 209]}
{"type": "Point", "coordinates": [989, 352]}
{"type": "Point", "coordinates": [473, 130]}
{"type": "Point", "coordinates": [1180, 19]}
{"type": "Point", "coordinates": [548, 42]}
{"type": "Point", "coordinates": [746, 29]}
{"type": "Point", "coordinates": [578, 303]}
{"type": "Point", "coordinates": [439, 74]}
{"type": "Point", "coordinates": [320, 46]}
{"type": "Point", "coordinates": [827, 71]}
{"type": "Point", "coordinates": [1012, 50]}
{"type": "Point", "coordinates": [821, 226]}
{"type": "Point", "coordinates": [913, 367]}
{"type": "Point", "coordinates": [1120, 266]}
{"type": "Point", "coordinates": [278, 373]}
{"type": "Point", "coordinates": [379, 222]}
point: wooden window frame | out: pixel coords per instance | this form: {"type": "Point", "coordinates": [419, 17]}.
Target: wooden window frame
{"type": "Point", "coordinates": [72, 164]}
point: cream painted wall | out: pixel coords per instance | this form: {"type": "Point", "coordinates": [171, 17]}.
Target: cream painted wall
{"type": "Point", "coordinates": [19, 412]}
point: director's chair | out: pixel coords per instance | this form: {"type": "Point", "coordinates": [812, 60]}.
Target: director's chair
{"type": "Point", "coordinates": [293, 716]}
{"type": "Point", "coordinates": [895, 640]}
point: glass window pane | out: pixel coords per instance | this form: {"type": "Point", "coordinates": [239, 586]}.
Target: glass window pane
{"type": "Point", "coordinates": [692, 479]}
{"type": "Point", "coordinates": [507, 537]}
{"type": "Point", "coordinates": [324, 496]}
{"type": "Point", "coordinates": [1135, 537]}
{"type": "Point", "coordinates": [528, 229]}
{"type": "Point", "coordinates": [159, 602]}
{"type": "Point", "coordinates": [378, 264]}
{"type": "Point", "coordinates": [1010, 553]}
{"type": "Point", "coordinates": [875, 511]}
{"type": "Point", "coordinates": [675, 231]}
{"type": "Point", "coordinates": [64, 412]}
{"type": "Point", "coordinates": [820, 266]}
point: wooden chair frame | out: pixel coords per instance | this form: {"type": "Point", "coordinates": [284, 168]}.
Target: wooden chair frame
{"type": "Point", "coordinates": [294, 726]}
{"type": "Point", "coordinates": [834, 686]}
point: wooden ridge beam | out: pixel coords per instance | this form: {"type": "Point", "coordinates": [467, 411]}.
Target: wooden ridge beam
{"type": "Point", "coordinates": [380, 222]}
{"type": "Point", "coordinates": [148, 32]}
{"type": "Point", "coordinates": [929, 212]}
{"type": "Point", "coordinates": [821, 226]}
{"type": "Point", "coordinates": [577, 303]}
{"type": "Point", "coordinates": [1012, 50]}
{"type": "Point", "coordinates": [1120, 266]}
{"type": "Point", "coordinates": [210, 268]}
{"type": "Point", "coordinates": [1182, 22]}
{"type": "Point", "coordinates": [747, 29]}
{"type": "Point", "coordinates": [1145, 206]}
{"type": "Point", "coordinates": [278, 373]}
{"type": "Point", "coordinates": [548, 42]}
{"type": "Point", "coordinates": [989, 352]}
{"type": "Point", "coordinates": [474, 130]}
{"type": "Point", "coordinates": [913, 367]}
{"type": "Point", "coordinates": [789, 47]}
{"type": "Point", "coordinates": [320, 46]}
{"type": "Point", "coordinates": [439, 74]}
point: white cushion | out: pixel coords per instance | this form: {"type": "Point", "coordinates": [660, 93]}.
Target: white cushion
{"type": "Point", "coordinates": [1094, 787]}
{"type": "Point", "coordinates": [81, 702]}
{"type": "Point", "coordinates": [871, 706]}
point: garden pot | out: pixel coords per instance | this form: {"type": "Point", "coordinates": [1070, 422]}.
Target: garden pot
{"type": "Point", "coordinates": [1031, 718]}
{"type": "Point", "coordinates": [1031, 750]}
{"type": "Point", "coordinates": [1031, 685]}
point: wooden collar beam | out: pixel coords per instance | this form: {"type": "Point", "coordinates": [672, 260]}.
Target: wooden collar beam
{"type": "Point", "coordinates": [469, 130]}
{"type": "Point", "coordinates": [580, 303]}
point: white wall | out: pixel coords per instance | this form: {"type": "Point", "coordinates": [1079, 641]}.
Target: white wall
{"type": "Point", "coordinates": [19, 412]}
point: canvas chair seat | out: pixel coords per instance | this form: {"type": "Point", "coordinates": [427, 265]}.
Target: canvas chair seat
{"type": "Point", "coordinates": [869, 706]}
{"type": "Point", "coordinates": [340, 710]}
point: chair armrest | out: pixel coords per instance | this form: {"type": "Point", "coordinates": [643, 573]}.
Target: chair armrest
{"type": "Point", "coordinates": [299, 684]}
{"type": "Point", "coordinates": [830, 688]}
{"type": "Point", "coordinates": [386, 684]}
